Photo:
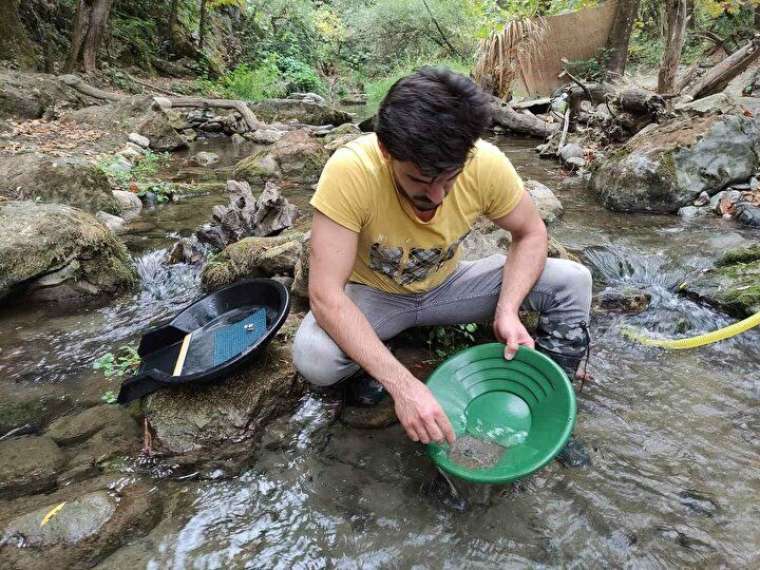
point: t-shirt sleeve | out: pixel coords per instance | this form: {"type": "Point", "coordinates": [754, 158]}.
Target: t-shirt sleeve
{"type": "Point", "coordinates": [341, 193]}
{"type": "Point", "coordinates": [502, 186]}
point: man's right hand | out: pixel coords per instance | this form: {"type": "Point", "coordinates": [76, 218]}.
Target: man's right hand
{"type": "Point", "coordinates": [422, 417]}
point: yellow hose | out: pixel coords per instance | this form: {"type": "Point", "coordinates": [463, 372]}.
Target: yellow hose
{"type": "Point", "coordinates": [695, 341]}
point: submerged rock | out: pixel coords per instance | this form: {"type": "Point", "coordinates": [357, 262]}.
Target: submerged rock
{"type": "Point", "coordinates": [668, 166]}
{"type": "Point", "coordinates": [73, 181]}
{"type": "Point", "coordinates": [734, 284]}
{"type": "Point", "coordinates": [206, 158]}
{"type": "Point", "coordinates": [297, 156]}
{"type": "Point", "coordinates": [58, 253]}
{"type": "Point", "coordinates": [28, 465]}
{"type": "Point", "coordinates": [625, 300]}
{"type": "Point", "coordinates": [210, 417]}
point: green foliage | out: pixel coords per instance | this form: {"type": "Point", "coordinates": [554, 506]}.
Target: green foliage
{"type": "Point", "coordinates": [250, 84]}
{"type": "Point", "coordinates": [443, 341]}
{"type": "Point", "coordinates": [162, 190]}
{"type": "Point", "coordinates": [124, 362]}
{"type": "Point", "coordinates": [299, 76]}
{"type": "Point", "coordinates": [377, 88]}
{"type": "Point", "coordinates": [592, 69]}
{"type": "Point", "coordinates": [143, 171]}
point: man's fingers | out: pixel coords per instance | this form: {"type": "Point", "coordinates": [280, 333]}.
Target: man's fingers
{"type": "Point", "coordinates": [445, 425]}
{"type": "Point", "coordinates": [412, 433]}
{"type": "Point", "coordinates": [435, 432]}
{"type": "Point", "coordinates": [512, 346]}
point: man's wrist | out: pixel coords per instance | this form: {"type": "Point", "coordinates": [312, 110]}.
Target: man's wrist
{"type": "Point", "coordinates": [505, 308]}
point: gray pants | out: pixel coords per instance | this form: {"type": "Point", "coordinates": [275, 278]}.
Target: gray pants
{"type": "Point", "coordinates": [561, 296]}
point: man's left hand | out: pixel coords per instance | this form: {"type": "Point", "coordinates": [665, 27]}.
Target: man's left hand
{"type": "Point", "coordinates": [509, 330]}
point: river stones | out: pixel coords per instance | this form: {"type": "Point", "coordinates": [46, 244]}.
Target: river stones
{"type": "Point", "coordinates": [666, 167]}
{"type": "Point", "coordinates": [160, 128]}
{"type": "Point", "coordinates": [307, 112]}
{"type": "Point", "coordinates": [625, 300]}
{"type": "Point", "coordinates": [73, 429]}
{"type": "Point", "coordinates": [57, 253]}
{"type": "Point", "coordinates": [28, 465]}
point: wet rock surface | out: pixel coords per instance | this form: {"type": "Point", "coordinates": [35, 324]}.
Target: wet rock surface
{"type": "Point", "coordinates": [28, 465]}
{"type": "Point", "coordinates": [624, 300]}
{"type": "Point", "coordinates": [666, 167]}
{"type": "Point", "coordinates": [206, 417]}
{"type": "Point", "coordinates": [733, 285]}
{"type": "Point", "coordinates": [59, 253]}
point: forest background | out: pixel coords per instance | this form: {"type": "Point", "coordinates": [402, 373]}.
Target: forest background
{"type": "Point", "coordinates": [256, 49]}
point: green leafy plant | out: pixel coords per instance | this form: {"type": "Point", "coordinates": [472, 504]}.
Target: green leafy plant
{"type": "Point", "coordinates": [124, 361]}
{"type": "Point", "coordinates": [162, 190]}
{"type": "Point", "coordinates": [249, 83]}
{"type": "Point", "coordinates": [446, 340]}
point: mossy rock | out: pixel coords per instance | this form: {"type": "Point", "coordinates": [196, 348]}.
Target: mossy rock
{"type": "Point", "coordinates": [297, 156]}
{"type": "Point", "coordinates": [285, 110]}
{"type": "Point", "coordinates": [73, 181]}
{"type": "Point", "coordinates": [57, 252]}
{"type": "Point", "coordinates": [668, 166]}
{"type": "Point", "coordinates": [733, 285]}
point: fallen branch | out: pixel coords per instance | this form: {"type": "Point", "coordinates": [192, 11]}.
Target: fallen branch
{"type": "Point", "coordinates": [577, 81]}
{"type": "Point", "coordinates": [716, 79]}
{"type": "Point", "coordinates": [565, 127]}
{"type": "Point", "coordinates": [197, 102]}
{"type": "Point", "coordinates": [523, 123]}
{"type": "Point", "coordinates": [77, 84]}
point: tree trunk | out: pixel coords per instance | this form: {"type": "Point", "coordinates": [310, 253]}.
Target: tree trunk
{"type": "Point", "coordinates": [620, 35]}
{"type": "Point", "coordinates": [716, 79]}
{"type": "Point", "coordinates": [676, 17]}
{"type": "Point", "coordinates": [98, 22]}
{"type": "Point", "coordinates": [202, 26]}
{"type": "Point", "coordinates": [172, 18]}
{"type": "Point", "coordinates": [90, 23]}
{"type": "Point", "coordinates": [522, 123]}
{"type": "Point", "coordinates": [81, 26]}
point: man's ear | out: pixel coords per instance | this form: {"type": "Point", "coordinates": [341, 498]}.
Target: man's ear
{"type": "Point", "coordinates": [384, 151]}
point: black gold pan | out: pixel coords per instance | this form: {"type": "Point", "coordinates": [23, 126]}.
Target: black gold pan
{"type": "Point", "coordinates": [210, 339]}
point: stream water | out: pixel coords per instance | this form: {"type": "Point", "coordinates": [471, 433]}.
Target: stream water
{"type": "Point", "coordinates": [673, 436]}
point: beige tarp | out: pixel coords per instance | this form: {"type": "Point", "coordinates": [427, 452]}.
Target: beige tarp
{"type": "Point", "coordinates": [573, 36]}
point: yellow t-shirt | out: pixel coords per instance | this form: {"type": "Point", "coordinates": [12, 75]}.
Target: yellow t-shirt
{"type": "Point", "coordinates": [398, 252]}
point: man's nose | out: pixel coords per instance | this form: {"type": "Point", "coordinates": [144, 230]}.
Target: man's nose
{"type": "Point", "coordinates": [436, 193]}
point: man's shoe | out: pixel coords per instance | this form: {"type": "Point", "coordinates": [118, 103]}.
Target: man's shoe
{"type": "Point", "coordinates": [364, 391]}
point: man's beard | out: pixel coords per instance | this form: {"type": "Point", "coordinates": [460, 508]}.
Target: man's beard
{"type": "Point", "coordinates": [421, 204]}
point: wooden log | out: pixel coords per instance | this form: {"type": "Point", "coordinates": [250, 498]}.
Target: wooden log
{"type": "Point", "coordinates": [522, 123]}
{"type": "Point", "coordinates": [240, 106]}
{"type": "Point", "coordinates": [76, 83]}
{"type": "Point", "coordinates": [716, 79]}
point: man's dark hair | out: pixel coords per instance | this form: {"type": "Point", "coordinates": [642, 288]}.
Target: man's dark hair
{"type": "Point", "coordinates": [432, 118]}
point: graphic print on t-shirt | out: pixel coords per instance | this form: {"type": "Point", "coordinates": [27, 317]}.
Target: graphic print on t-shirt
{"type": "Point", "coordinates": [404, 268]}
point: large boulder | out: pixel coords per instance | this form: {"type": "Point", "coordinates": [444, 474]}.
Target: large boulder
{"type": "Point", "coordinates": [253, 257]}
{"type": "Point", "coordinates": [36, 95]}
{"type": "Point", "coordinates": [298, 157]}
{"type": "Point", "coordinates": [58, 253]}
{"type": "Point", "coordinates": [211, 417]}
{"type": "Point", "coordinates": [304, 111]}
{"type": "Point", "coordinates": [733, 284]}
{"type": "Point", "coordinates": [548, 205]}
{"type": "Point", "coordinates": [666, 167]}
{"type": "Point", "coordinates": [73, 181]}
{"type": "Point", "coordinates": [160, 127]}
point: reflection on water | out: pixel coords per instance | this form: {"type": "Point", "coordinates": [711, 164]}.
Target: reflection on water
{"type": "Point", "coordinates": [673, 436]}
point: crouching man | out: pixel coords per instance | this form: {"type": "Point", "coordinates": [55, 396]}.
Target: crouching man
{"type": "Point", "coordinates": [392, 208]}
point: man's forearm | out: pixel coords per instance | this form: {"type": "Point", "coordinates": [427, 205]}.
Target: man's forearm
{"type": "Point", "coordinates": [527, 257]}
{"type": "Point", "coordinates": [349, 328]}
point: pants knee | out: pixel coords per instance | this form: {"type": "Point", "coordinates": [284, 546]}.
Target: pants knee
{"type": "Point", "coordinates": [316, 356]}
